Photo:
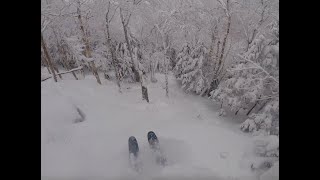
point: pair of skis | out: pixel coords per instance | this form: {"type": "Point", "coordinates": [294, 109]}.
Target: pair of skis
{"type": "Point", "coordinates": [134, 151]}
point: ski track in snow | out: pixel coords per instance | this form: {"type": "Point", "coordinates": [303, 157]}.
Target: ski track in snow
{"type": "Point", "coordinates": [198, 144]}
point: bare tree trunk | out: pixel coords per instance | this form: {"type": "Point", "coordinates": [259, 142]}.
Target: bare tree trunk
{"type": "Point", "coordinates": [213, 40]}
{"type": "Point", "coordinates": [44, 47]}
{"type": "Point", "coordinates": [166, 60]}
{"type": "Point", "coordinates": [165, 43]}
{"type": "Point", "coordinates": [152, 69]}
{"type": "Point", "coordinates": [95, 71]}
{"type": "Point", "coordinates": [237, 111]}
{"type": "Point", "coordinates": [56, 69]}
{"type": "Point", "coordinates": [224, 44]}
{"type": "Point", "coordinates": [264, 104]}
{"type": "Point", "coordinates": [87, 46]}
{"type": "Point", "coordinates": [167, 83]}
{"type": "Point", "coordinates": [111, 49]}
{"type": "Point", "coordinates": [144, 90]}
{"type": "Point", "coordinates": [116, 68]}
{"type": "Point", "coordinates": [124, 25]}
{"type": "Point", "coordinates": [46, 63]}
{"type": "Point", "coordinates": [220, 55]}
{"type": "Point", "coordinates": [70, 71]}
{"type": "Point", "coordinates": [252, 108]}
{"type": "Point", "coordinates": [138, 76]}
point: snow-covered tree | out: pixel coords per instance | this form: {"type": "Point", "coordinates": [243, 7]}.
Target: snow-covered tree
{"type": "Point", "coordinates": [182, 57]}
{"type": "Point", "coordinates": [253, 83]}
{"type": "Point", "coordinates": [189, 69]}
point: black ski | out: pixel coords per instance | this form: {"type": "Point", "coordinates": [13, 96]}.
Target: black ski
{"type": "Point", "coordinates": [134, 159]}
{"type": "Point", "coordinates": [155, 146]}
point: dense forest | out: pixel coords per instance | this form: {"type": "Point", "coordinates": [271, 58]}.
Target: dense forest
{"type": "Point", "coordinates": [223, 50]}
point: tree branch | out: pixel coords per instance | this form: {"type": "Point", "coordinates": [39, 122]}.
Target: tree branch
{"type": "Point", "coordinates": [70, 71]}
{"type": "Point", "coordinates": [259, 67]}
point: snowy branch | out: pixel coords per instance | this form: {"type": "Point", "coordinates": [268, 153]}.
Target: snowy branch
{"type": "Point", "coordinates": [256, 66]}
{"type": "Point", "coordinates": [268, 97]}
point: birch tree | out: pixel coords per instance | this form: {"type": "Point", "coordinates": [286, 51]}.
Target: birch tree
{"type": "Point", "coordinates": [138, 73]}
{"type": "Point", "coordinates": [111, 47]}
{"type": "Point", "coordinates": [87, 43]}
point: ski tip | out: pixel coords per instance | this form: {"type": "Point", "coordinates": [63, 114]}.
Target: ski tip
{"type": "Point", "coordinates": [133, 145]}
{"type": "Point", "coordinates": [132, 138]}
{"type": "Point", "coordinates": [152, 136]}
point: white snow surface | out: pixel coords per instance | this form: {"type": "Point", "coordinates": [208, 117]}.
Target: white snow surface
{"type": "Point", "coordinates": [198, 144]}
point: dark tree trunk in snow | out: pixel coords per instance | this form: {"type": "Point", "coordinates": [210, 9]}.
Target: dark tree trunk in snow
{"type": "Point", "coordinates": [124, 25]}
{"type": "Point", "coordinates": [252, 108]}
{"type": "Point", "coordinates": [237, 111]}
{"type": "Point", "coordinates": [56, 69]}
{"type": "Point", "coordinates": [153, 79]}
{"type": "Point", "coordinates": [46, 64]}
{"type": "Point", "coordinates": [138, 76]}
{"type": "Point", "coordinates": [95, 71]}
{"type": "Point", "coordinates": [166, 80]}
{"type": "Point", "coordinates": [145, 93]}
{"type": "Point", "coordinates": [44, 47]}
{"type": "Point", "coordinates": [220, 55]}
{"type": "Point", "coordinates": [111, 49]}
{"type": "Point", "coordinates": [87, 46]}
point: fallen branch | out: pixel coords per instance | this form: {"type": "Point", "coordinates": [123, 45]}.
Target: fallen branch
{"type": "Point", "coordinates": [46, 78]}
{"type": "Point", "coordinates": [70, 71]}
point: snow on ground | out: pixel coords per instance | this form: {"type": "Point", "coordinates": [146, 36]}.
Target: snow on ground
{"type": "Point", "coordinates": [196, 141]}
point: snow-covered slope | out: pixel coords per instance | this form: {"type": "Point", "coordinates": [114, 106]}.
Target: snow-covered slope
{"type": "Point", "coordinates": [196, 141]}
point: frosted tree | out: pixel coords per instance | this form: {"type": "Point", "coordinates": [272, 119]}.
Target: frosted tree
{"type": "Point", "coordinates": [49, 14]}
{"type": "Point", "coordinates": [125, 14]}
{"type": "Point", "coordinates": [111, 46]}
{"type": "Point", "coordinates": [254, 16]}
{"type": "Point", "coordinates": [125, 19]}
{"type": "Point", "coordinates": [253, 83]}
{"type": "Point", "coordinates": [125, 65]}
{"type": "Point", "coordinates": [157, 63]}
{"type": "Point", "coordinates": [76, 50]}
{"type": "Point", "coordinates": [220, 56]}
{"type": "Point", "coordinates": [62, 53]}
{"type": "Point", "coordinates": [166, 22]}
{"type": "Point", "coordinates": [182, 57]}
{"type": "Point", "coordinates": [48, 58]}
{"type": "Point", "coordinates": [252, 88]}
{"type": "Point", "coordinates": [189, 69]}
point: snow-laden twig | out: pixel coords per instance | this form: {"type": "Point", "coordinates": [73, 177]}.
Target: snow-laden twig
{"type": "Point", "coordinates": [256, 66]}
{"type": "Point", "coordinates": [268, 97]}
{"type": "Point", "coordinates": [74, 69]}
{"type": "Point", "coordinates": [224, 7]}
{"type": "Point", "coordinates": [44, 13]}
